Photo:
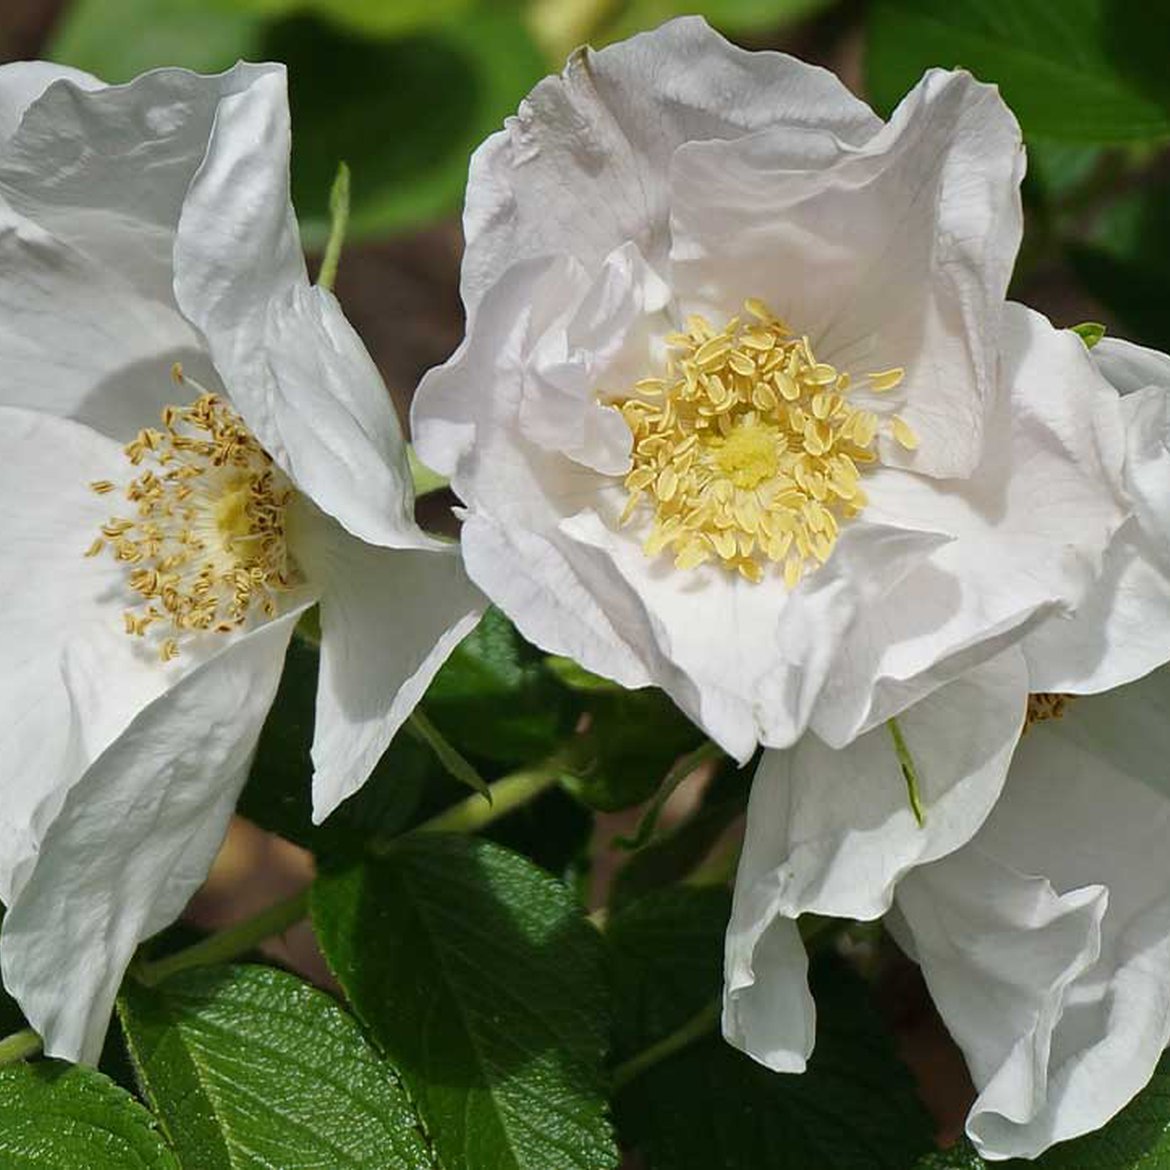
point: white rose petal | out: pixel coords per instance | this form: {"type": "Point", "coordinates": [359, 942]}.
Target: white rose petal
{"type": "Point", "coordinates": [716, 508]}
{"type": "Point", "coordinates": [144, 226]}
{"type": "Point", "coordinates": [831, 832]}
{"type": "Point", "coordinates": [1046, 940]}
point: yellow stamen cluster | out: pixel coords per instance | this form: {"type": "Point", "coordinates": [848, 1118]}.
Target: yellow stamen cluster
{"type": "Point", "coordinates": [205, 542]}
{"type": "Point", "coordinates": [1044, 705]}
{"type": "Point", "coordinates": [748, 449]}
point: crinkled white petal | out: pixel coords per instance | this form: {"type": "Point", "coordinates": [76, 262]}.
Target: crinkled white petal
{"type": "Point", "coordinates": [1001, 951]}
{"type": "Point", "coordinates": [755, 657]}
{"type": "Point", "coordinates": [389, 619]}
{"type": "Point", "coordinates": [831, 832]}
{"type": "Point", "coordinates": [768, 1009]}
{"type": "Point", "coordinates": [1122, 629]}
{"type": "Point", "coordinates": [133, 842]}
{"type": "Point", "coordinates": [611, 340]}
{"type": "Point", "coordinates": [1076, 1016]}
{"type": "Point", "coordinates": [582, 168]}
{"type": "Point", "coordinates": [894, 253]}
{"type": "Point", "coordinates": [1129, 367]}
{"type": "Point", "coordinates": [72, 680]}
{"type": "Point", "coordinates": [22, 82]}
{"type": "Point", "coordinates": [293, 366]}
{"type": "Point", "coordinates": [88, 322]}
{"type": "Point", "coordinates": [542, 539]}
{"type": "Point", "coordinates": [1030, 528]}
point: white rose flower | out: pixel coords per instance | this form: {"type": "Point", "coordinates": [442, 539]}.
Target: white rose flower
{"type": "Point", "coordinates": [729, 419]}
{"type": "Point", "coordinates": [1040, 909]}
{"type": "Point", "coordinates": [144, 227]}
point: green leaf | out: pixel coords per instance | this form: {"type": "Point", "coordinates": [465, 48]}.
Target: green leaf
{"type": "Point", "coordinates": [960, 1156]}
{"type": "Point", "coordinates": [1081, 70]}
{"type": "Point", "coordinates": [478, 976]}
{"type": "Point", "coordinates": [61, 1117]}
{"type": "Point", "coordinates": [277, 796]}
{"type": "Point", "coordinates": [496, 698]}
{"type": "Point", "coordinates": [118, 39]}
{"type": "Point", "coordinates": [405, 113]}
{"type": "Point", "coordinates": [629, 743]}
{"type": "Point", "coordinates": [709, 1105]}
{"type": "Point", "coordinates": [249, 1068]}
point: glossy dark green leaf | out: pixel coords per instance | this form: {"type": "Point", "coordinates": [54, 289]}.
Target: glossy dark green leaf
{"type": "Point", "coordinates": [478, 975]}
{"type": "Point", "coordinates": [249, 1068]}
{"type": "Point", "coordinates": [496, 699]}
{"type": "Point", "coordinates": [960, 1156]}
{"type": "Point", "coordinates": [709, 1105]}
{"type": "Point", "coordinates": [404, 113]}
{"type": "Point", "coordinates": [55, 1116]}
{"type": "Point", "coordinates": [1080, 70]}
{"type": "Point", "coordinates": [118, 39]}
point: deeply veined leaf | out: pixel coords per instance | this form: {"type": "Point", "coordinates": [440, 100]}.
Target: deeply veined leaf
{"type": "Point", "coordinates": [1082, 70]}
{"type": "Point", "coordinates": [249, 1068]}
{"type": "Point", "coordinates": [479, 977]}
{"type": "Point", "coordinates": [62, 1117]}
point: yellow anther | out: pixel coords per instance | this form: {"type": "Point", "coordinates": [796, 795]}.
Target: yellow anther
{"type": "Point", "coordinates": [904, 433]}
{"type": "Point", "coordinates": [747, 451]}
{"type": "Point", "coordinates": [886, 379]}
{"type": "Point", "coordinates": [207, 535]}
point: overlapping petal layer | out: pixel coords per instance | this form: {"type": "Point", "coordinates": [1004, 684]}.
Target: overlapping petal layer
{"type": "Point", "coordinates": [1046, 940]}
{"type": "Point", "coordinates": [143, 226]}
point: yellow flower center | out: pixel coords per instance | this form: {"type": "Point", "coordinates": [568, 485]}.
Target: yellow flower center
{"type": "Point", "coordinates": [205, 539]}
{"type": "Point", "coordinates": [748, 450]}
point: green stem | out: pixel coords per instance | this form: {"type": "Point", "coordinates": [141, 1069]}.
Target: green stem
{"type": "Point", "coordinates": [472, 814]}
{"type": "Point", "coordinates": [708, 750]}
{"type": "Point", "coordinates": [700, 1025]}
{"type": "Point", "coordinates": [449, 756]}
{"type": "Point", "coordinates": [231, 943]}
{"type": "Point", "coordinates": [19, 1046]}
{"type": "Point", "coordinates": [909, 771]}
{"type": "Point", "coordinates": [339, 224]}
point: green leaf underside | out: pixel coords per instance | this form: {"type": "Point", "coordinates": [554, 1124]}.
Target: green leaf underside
{"type": "Point", "coordinates": [1082, 70]}
{"type": "Point", "coordinates": [249, 1068]}
{"type": "Point", "coordinates": [478, 976]}
{"type": "Point", "coordinates": [711, 1106]}
{"type": "Point", "coordinates": [59, 1117]}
